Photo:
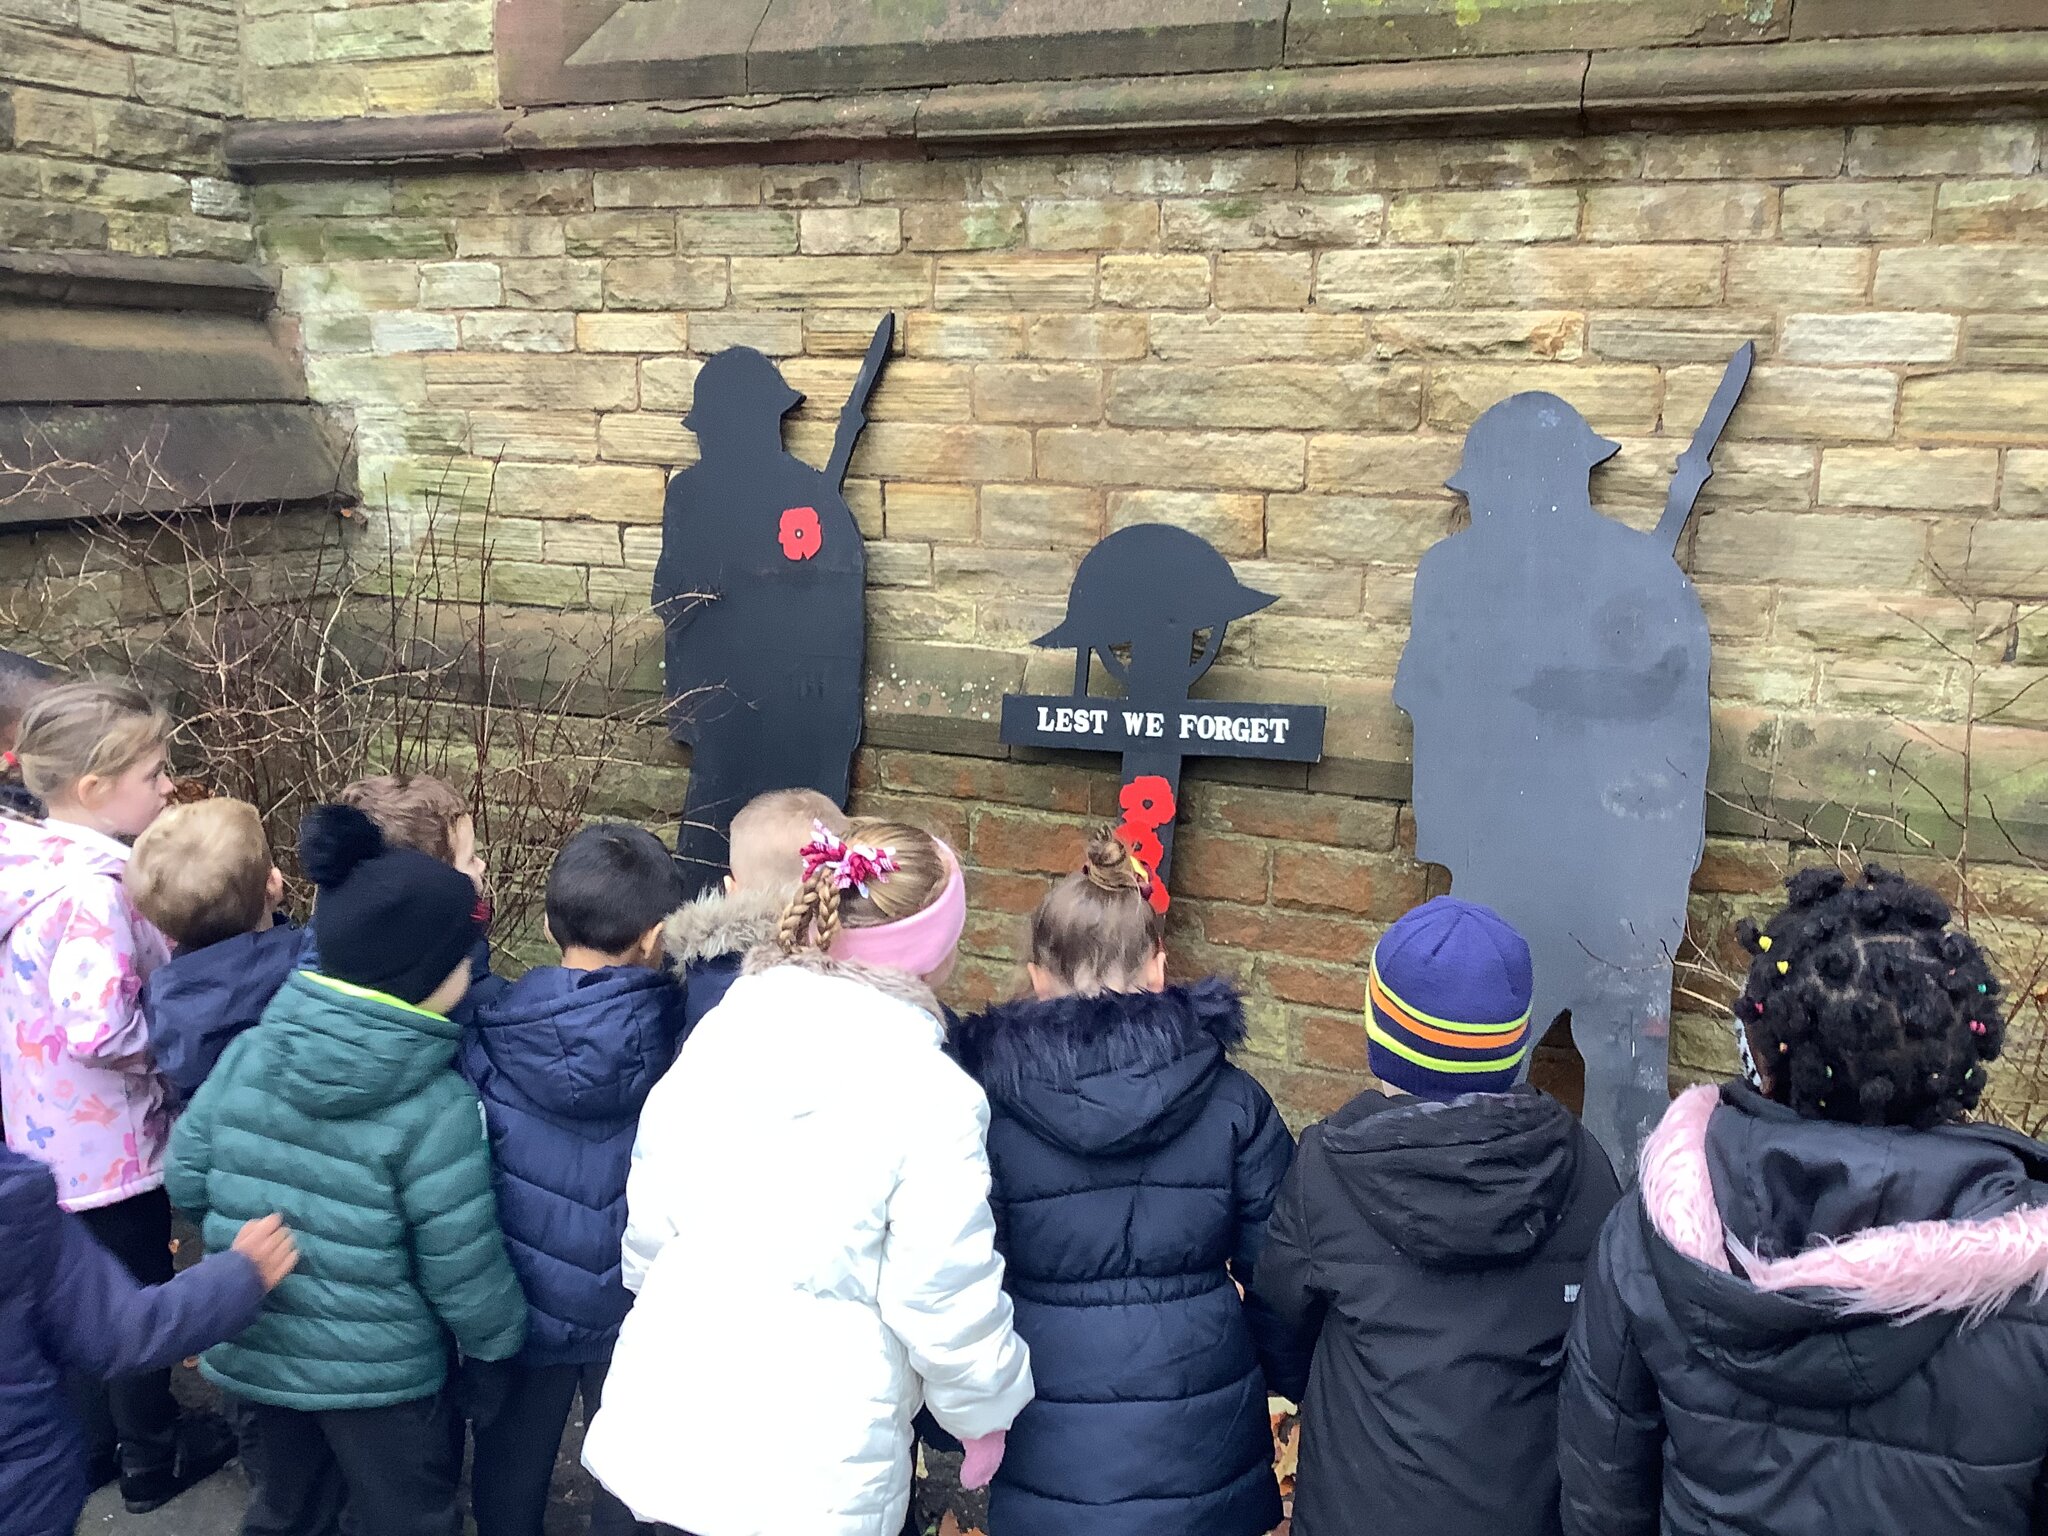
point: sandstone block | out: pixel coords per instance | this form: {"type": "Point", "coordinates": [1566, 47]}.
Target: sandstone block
{"type": "Point", "coordinates": [897, 614]}
{"type": "Point", "coordinates": [1269, 395]}
{"type": "Point", "coordinates": [1378, 886]}
{"type": "Point", "coordinates": [429, 85]}
{"type": "Point", "coordinates": [579, 542]}
{"type": "Point", "coordinates": [773, 333]}
{"type": "Point", "coordinates": [1993, 408]}
{"type": "Point", "coordinates": [513, 330]}
{"type": "Point", "coordinates": [1036, 392]}
{"type": "Point", "coordinates": [1237, 338]}
{"type": "Point", "coordinates": [1883, 150]}
{"type": "Point", "coordinates": [1798, 404]}
{"type": "Point", "coordinates": [1030, 176]}
{"type": "Point", "coordinates": [390, 239]}
{"type": "Point", "coordinates": [1963, 278]}
{"type": "Point", "coordinates": [1870, 337]}
{"type": "Point", "coordinates": [830, 282]}
{"type": "Point", "coordinates": [638, 437]}
{"type": "Point", "coordinates": [1851, 212]}
{"type": "Point", "coordinates": [850, 231]}
{"type": "Point", "coordinates": [901, 181]}
{"type": "Point", "coordinates": [411, 330]}
{"type": "Point", "coordinates": [1093, 225]}
{"type": "Point", "coordinates": [69, 64]}
{"type": "Point", "coordinates": [1991, 210]}
{"type": "Point", "coordinates": [1399, 466]}
{"type": "Point", "coordinates": [912, 390]}
{"type": "Point", "coordinates": [678, 186]}
{"type": "Point", "coordinates": [1002, 572]}
{"type": "Point", "coordinates": [1235, 524]}
{"type": "Point", "coordinates": [1461, 218]}
{"type": "Point", "coordinates": [375, 381]}
{"type": "Point", "coordinates": [1255, 223]}
{"type": "Point", "coordinates": [1692, 212]}
{"type": "Point", "coordinates": [51, 120]}
{"type": "Point", "coordinates": [696, 282]}
{"type": "Point", "coordinates": [461, 285]}
{"type": "Point", "coordinates": [1087, 337]}
{"type": "Point", "coordinates": [308, 91]}
{"type": "Point", "coordinates": [1612, 398]}
{"type": "Point", "coordinates": [899, 565]}
{"type": "Point", "coordinates": [1040, 516]}
{"type": "Point", "coordinates": [424, 29]}
{"type": "Point", "coordinates": [624, 233]}
{"type": "Point", "coordinates": [1811, 549]}
{"type": "Point", "coordinates": [848, 333]}
{"type": "Point", "coordinates": [1311, 591]}
{"type": "Point", "coordinates": [1936, 479]}
{"type": "Point", "coordinates": [347, 287]}
{"type": "Point", "coordinates": [213, 198]}
{"type": "Point", "coordinates": [927, 512]}
{"type": "Point", "coordinates": [2025, 489]}
{"type": "Point", "coordinates": [1014, 282]}
{"type": "Point", "coordinates": [523, 584]}
{"type": "Point", "coordinates": [1196, 460]}
{"type": "Point", "coordinates": [486, 381]}
{"type": "Point", "coordinates": [606, 492]}
{"type": "Point", "coordinates": [337, 333]}
{"type": "Point", "coordinates": [1156, 282]}
{"type": "Point", "coordinates": [1610, 276]}
{"type": "Point", "coordinates": [1385, 279]}
{"type": "Point", "coordinates": [1548, 334]}
{"type": "Point", "coordinates": [569, 284]}
{"type": "Point", "coordinates": [668, 383]}
{"type": "Point", "coordinates": [516, 434]}
{"type": "Point", "coordinates": [1198, 173]}
{"type": "Point", "coordinates": [1457, 162]}
{"type": "Point", "coordinates": [963, 226]}
{"type": "Point", "coordinates": [632, 331]}
{"type": "Point", "coordinates": [451, 502]}
{"type": "Point", "coordinates": [966, 335]}
{"type": "Point", "coordinates": [519, 238]}
{"type": "Point", "coordinates": [2006, 557]}
{"type": "Point", "coordinates": [1370, 529]}
{"type": "Point", "coordinates": [1263, 279]}
{"type": "Point", "coordinates": [1769, 154]}
{"type": "Point", "coordinates": [268, 41]}
{"type": "Point", "coordinates": [1895, 626]}
{"type": "Point", "coordinates": [1679, 335]}
{"type": "Point", "coordinates": [1800, 277]}
{"type": "Point", "coordinates": [810, 186]}
{"type": "Point", "coordinates": [973, 454]}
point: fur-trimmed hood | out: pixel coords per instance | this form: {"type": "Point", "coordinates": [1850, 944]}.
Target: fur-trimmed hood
{"type": "Point", "coordinates": [1108, 1074]}
{"type": "Point", "coordinates": [717, 925]}
{"type": "Point", "coordinates": [1818, 1262]}
{"type": "Point", "coordinates": [900, 985]}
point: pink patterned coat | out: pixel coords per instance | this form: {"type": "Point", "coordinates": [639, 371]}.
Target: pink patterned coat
{"type": "Point", "coordinates": [76, 1085]}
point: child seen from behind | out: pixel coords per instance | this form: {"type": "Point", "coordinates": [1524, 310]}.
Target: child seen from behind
{"type": "Point", "coordinates": [563, 1061]}
{"type": "Point", "coordinates": [79, 1090]}
{"type": "Point", "coordinates": [23, 680]}
{"type": "Point", "coordinates": [1432, 1240]}
{"type": "Point", "coordinates": [1134, 1170]}
{"type": "Point", "coordinates": [202, 874]}
{"type": "Point", "coordinates": [807, 1220]}
{"type": "Point", "coordinates": [342, 1111]}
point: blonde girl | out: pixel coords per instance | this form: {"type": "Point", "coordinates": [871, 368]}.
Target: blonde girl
{"type": "Point", "coordinates": [808, 1222]}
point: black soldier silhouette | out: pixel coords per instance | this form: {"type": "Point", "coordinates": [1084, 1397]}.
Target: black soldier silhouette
{"type": "Point", "coordinates": [1151, 602]}
{"type": "Point", "coordinates": [1556, 674]}
{"type": "Point", "coordinates": [761, 588]}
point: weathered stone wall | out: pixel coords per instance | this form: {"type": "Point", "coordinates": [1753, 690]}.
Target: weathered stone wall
{"type": "Point", "coordinates": [1280, 347]}
{"type": "Point", "coordinates": [111, 116]}
{"type": "Point", "coordinates": [306, 59]}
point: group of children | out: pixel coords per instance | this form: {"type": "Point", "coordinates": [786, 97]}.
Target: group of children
{"type": "Point", "coordinates": [732, 1174]}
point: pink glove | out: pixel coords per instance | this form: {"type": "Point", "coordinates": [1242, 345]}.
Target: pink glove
{"type": "Point", "coordinates": [984, 1455]}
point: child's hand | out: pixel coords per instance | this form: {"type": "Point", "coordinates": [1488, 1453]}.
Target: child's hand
{"type": "Point", "coordinates": [984, 1455]}
{"type": "Point", "coordinates": [268, 1245]}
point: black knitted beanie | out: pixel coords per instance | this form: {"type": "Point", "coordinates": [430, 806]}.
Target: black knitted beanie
{"type": "Point", "coordinates": [394, 920]}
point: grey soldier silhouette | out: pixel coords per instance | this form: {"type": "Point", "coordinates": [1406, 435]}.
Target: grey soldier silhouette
{"type": "Point", "coordinates": [761, 589]}
{"type": "Point", "coordinates": [1556, 674]}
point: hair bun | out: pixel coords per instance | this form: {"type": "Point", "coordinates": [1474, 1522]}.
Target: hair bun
{"type": "Point", "coordinates": [1109, 865]}
{"type": "Point", "coordinates": [333, 840]}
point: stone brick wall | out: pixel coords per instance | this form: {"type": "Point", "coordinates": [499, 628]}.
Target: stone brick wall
{"type": "Point", "coordinates": [308, 59]}
{"type": "Point", "coordinates": [111, 116]}
{"type": "Point", "coordinates": [1280, 347]}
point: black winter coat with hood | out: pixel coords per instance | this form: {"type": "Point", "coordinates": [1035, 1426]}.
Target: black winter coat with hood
{"type": "Point", "coordinates": [1437, 1250]}
{"type": "Point", "coordinates": [1134, 1169]}
{"type": "Point", "coordinates": [1801, 1328]}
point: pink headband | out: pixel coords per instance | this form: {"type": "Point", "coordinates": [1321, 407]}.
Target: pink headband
{"type": "Point", "coordinates": [920, 943]}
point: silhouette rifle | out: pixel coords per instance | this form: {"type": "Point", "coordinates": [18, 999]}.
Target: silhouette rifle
{"type": "Point", "coordinates": [853, 416]}
{"type": "Point", "coordinates": [1696, 464]}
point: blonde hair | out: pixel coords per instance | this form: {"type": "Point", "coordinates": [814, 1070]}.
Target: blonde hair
{"type": "Point", "coordinates": [412, 810]}
{"type": "Point", "coordinates": [201, 872]}
{"type": "Point", "coordinates": [814, 917]}
{"type": "Point", "coordinates": [769, 833]}
{"type": "Point", "coordinates": [1095, 930]}
{"type": "Point", "coordinates": [78, 730]}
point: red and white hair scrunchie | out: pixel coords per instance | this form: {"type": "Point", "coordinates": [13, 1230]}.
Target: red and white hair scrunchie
{"type": "Point", "coordinates": [853, 867]}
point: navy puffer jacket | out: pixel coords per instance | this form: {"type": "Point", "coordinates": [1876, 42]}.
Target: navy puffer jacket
{"type": "Point", "coordinates": [563, 1060]}
{"type": "Point", "coordinates": [1134, 1172]}
{"type": "Point", "coordinates": [66, 1304]}
{"type": "Point", "coordinates": [200, 999]}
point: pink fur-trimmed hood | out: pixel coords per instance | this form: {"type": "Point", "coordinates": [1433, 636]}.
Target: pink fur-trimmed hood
{"type": "Point", "coordinates": [1965, 1263]}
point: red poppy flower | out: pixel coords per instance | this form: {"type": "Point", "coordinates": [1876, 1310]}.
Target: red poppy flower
{"type": "Point", "coordinates": [801, 535]}
{"type": "Point", "coordinates": [1144, 842]}
{"type": "Point", "coordinates": [1147, 801]}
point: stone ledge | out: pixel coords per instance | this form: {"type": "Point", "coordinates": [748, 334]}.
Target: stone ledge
{"type": "Point", "coordinates": [1871, 78]}
{"type": "Point", "coordinates": [58, 354]}
{"type": "Point", "coordinates": [136, 282]}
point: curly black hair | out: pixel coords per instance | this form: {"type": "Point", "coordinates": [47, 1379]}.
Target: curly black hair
{"type": "Point", "coordinates": [1864, 1006]}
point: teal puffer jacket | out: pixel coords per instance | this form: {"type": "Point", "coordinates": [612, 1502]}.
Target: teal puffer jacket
{"type": "Point", "coordinates": [341, 1111]}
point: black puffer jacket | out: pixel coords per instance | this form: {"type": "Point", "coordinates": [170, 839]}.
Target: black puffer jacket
{"type": "Point", "coordinates": [1840, 1387]}
{"type": "Point", "coordinates": [1134, 1170]}
{"type": "Point", "coordinates": [1438, 1248]}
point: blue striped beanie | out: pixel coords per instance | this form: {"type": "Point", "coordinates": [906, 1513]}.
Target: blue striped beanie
{"type": "Point", "coordinates": [1448, 1001]}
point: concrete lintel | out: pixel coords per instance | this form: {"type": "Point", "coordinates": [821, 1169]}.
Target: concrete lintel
{"type": "Point", "coordinates": [135, 282]}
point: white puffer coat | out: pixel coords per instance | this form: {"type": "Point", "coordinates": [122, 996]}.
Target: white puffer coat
{"type": "Point", "coordinates": [808, 1232]}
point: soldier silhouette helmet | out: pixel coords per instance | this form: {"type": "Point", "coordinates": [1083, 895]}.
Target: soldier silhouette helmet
{"type": "Point", "coordinates": [1151, 587]}
{"type": "Point", "coordinates": [739, 385]}
{"type": "Point", "coordinates": [1527, 453]}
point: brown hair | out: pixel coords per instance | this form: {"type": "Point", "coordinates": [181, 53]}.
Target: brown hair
{"type": "Point", "coordinates": [813, 919]}
{"type": "Point", "coordinates": [201, 872]}
{"type": "Point", "coordinates": [769, 833]}
{"type": "Point", "coordinates": [76, 730]}
{"type": "Point", "coordinates": [412, 810]}
{"type": "Point", "coordinates": [22, 678]}
{"type": "Point", "coordinates": [1095, 930]}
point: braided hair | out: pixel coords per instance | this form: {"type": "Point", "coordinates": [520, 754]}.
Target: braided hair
{"type": "Point", "coordinates": [815, 914]}
{"type": "Point", "coordinates": [1863, 1006]}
